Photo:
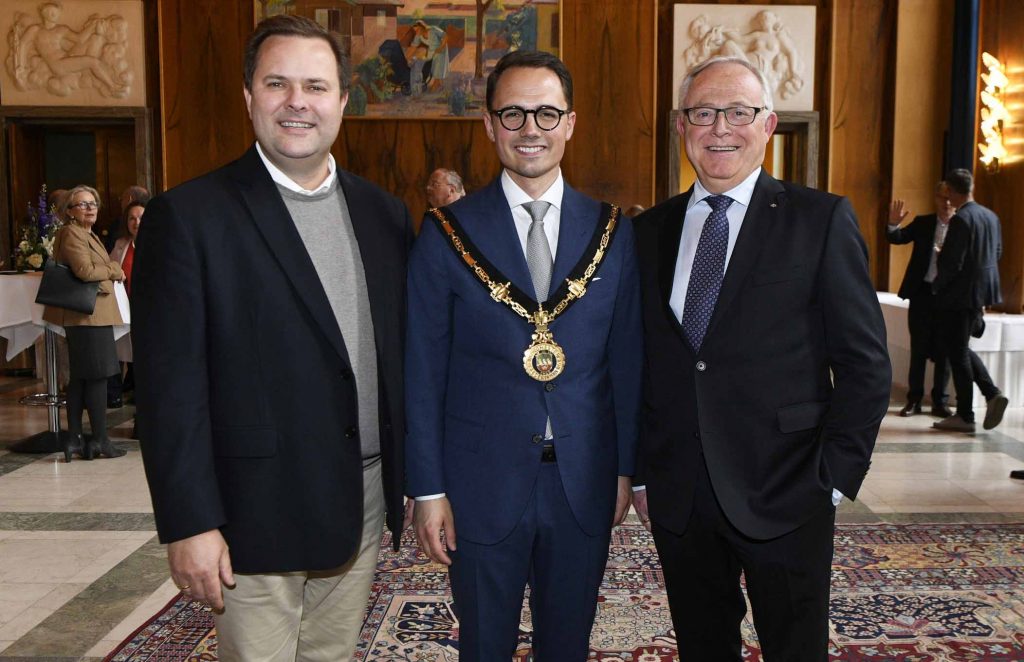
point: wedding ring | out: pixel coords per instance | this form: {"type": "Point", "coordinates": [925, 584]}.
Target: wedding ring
{"type": "Point", "coordinates": [184, 587]}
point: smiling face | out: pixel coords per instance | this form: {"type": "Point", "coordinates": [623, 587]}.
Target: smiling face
{"type": "Point", "coordinates": [530, 154]}
{"type": "Point", "coordinates": [82, 216]}
{"type": "Point", "coordinates": [722, 154]}
{"type": "Point", "coordinates": [134, 219]}
{"type": "Point", "coordinates": [296, 105]}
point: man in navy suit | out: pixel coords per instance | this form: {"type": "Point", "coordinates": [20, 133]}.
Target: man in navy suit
{"type": "Point", "coordinates": [767, 378]}
{"type": "Point", "coordinates": [967, 283]}
{"type": "Point", "coordinates": [522, 432]}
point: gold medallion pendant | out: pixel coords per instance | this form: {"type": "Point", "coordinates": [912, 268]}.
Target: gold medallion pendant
{"type": "Point", "coordinates": [544, 359]}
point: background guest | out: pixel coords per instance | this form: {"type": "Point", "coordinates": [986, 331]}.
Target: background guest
{"type": "Point", "coordinates": [927, 233]}
{"type": "Point", "coordinates": [124, 254]}
{"type": "Point", "coordinates": [444, 187]}
{"type": "Point", "coordinates": [133, 193]}
{"type": "Point", "coordinates": [966, 284]}
{"type": "Point", "coordinates": [90, 338]}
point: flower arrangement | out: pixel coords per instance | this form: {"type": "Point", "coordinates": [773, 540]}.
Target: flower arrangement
{"type": "Point", "coordinates": [37, 234]}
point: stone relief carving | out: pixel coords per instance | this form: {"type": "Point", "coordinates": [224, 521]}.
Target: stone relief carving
{"type": "Point", "coordinates": [767, 44]}
{"type": "Point", "coordinates": [50, 55]}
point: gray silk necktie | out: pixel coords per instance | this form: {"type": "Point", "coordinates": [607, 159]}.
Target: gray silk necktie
{"type": "Point", "coordinates": [538, 250]}
{"type": "Point", "coordinates": [538, 259]}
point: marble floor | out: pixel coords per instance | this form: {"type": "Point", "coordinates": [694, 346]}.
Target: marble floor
{"type": "Point", "coordinates": [81, 568]}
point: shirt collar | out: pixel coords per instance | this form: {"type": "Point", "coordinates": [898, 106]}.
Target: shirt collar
{"type": "Point", "coordinates": [740, 193]}
{"type": "Point", "coordinates": [517, 196]}
{"type": "Point", "coordinates": [284, 180]}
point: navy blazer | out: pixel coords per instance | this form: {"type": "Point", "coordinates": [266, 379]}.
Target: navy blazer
{"type": "Point", "coordinates": [476, 419]}
{"type": "Point", "coordinates": [785, 397]}
{"type": "Point", "coordinates": [968, 276]}
{"type": "Point", "coordinates": [920, 232]}
{"type": "Point", "coordinates": [251, 420]}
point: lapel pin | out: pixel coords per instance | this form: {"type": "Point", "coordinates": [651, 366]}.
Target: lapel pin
{"type": "Point", "coordinates": [773, 205]}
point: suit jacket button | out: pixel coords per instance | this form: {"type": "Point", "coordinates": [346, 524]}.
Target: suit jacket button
{"type": "Point", "coordinates": [701, 366]}
{"type": "Point", "coordinates": [537, 438]}
{"type": "Point", "coordinates": [351, 432]}
{"type": "Point", "coordinates": [549, 387]}
{"type": "Point", "coordinates": [345, 373]}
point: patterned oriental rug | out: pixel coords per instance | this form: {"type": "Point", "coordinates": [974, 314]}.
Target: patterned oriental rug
{"type": "Point", "coordinates": [913, 593]}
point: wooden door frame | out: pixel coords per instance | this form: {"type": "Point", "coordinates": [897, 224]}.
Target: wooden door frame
{"type": "Point", "coordinates": [71, 116]}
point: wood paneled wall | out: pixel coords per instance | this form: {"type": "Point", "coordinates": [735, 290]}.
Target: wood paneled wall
{"type": "Point", "coordinates": [203, 120]}
{"type": "Point", "coordinates": [1002, 24]}
{"type": "Point", "coordinates": [920, 113]}
{"type": "Point", "coordinates": [607, 44]}
{"type": "Point", "coordinates": [861, 119]}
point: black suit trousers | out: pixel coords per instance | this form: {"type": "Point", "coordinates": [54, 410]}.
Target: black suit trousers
{"type": "Point", "coordinates": [925, 344]}
{"type": "Point", "coordinates": [787, 582]}
{"type": "Point", "coordinates": [955, 328]}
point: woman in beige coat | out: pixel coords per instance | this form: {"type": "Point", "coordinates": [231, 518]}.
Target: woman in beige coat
{"type": "Point", "coordinates": [91, 352]}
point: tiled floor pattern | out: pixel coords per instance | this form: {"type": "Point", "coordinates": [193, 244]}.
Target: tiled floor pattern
{"type": "Point", "coordinates": [80, 566]}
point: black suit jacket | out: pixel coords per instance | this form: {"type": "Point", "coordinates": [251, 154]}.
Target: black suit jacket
{"type": "Point", "coordinates": [968, 275]}
{"type": "Point", "coordinates": [776, 432]}
{"type": "Point", "coordinates": [248, 402]}
{"type": "Point", "coordinates": [920, 232]}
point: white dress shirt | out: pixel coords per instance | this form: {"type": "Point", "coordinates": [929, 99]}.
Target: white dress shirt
{"type": "Point", "coordinates": [284, 180]}
{"type": "Point", "coordinates": [552, 219]}
{"type": "Point", "coordinates": [697, 212]}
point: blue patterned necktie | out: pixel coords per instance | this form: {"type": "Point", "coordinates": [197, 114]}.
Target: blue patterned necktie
{"type": "Point", "coordinates": [707, 272]}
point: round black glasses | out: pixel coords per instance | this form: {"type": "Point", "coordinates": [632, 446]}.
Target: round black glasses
{"type": "Point", "coordinates": [513, 117]}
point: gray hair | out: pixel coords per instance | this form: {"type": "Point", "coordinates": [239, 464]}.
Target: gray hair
{"type": "Point", "coordinates": [692, 74]}
{"type": "Point", "coordinates": [454, 180]}
{"type": "Point", "coordinates": [65, 203]}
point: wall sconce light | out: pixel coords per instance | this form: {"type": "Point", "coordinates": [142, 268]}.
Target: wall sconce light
{"type": "Point", "coordinates": [993, 112]}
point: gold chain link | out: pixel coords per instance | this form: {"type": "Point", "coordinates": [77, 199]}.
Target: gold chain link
{"type": "Point", "coordinates": [499, 292]}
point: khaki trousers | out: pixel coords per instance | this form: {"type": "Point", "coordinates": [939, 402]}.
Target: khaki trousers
{"type": "Point", "coordinates": [304, 616]}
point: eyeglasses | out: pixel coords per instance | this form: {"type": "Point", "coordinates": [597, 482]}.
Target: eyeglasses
{"type": "Point", "coordinates": [513, 118]}
{"type": "Point", "coordinates": [85, 205]}
{"type": "Point", "coordinates": [734, 115]}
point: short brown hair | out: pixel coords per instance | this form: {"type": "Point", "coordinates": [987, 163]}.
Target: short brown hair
{"type": "Point", "coordinates": [530, 60]}
{"type": "Point", "coordinates": [289, 25]}
{"type": "Point", "coordinates": [960, 181]}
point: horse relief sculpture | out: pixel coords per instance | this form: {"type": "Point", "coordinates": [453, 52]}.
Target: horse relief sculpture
{"type": "Point", "coordinates": [768, 45]}
{"type": "Point", "coordinates": [50, 55]}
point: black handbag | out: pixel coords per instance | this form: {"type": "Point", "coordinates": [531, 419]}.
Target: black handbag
{"type": "Point", "coordinates": [63, 289]}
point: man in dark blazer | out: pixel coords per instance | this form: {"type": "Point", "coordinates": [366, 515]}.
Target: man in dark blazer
{"type": "Point", "coordinates": [927, 234]}
{"type": "Point", "coordinates": [268, 329]}
{"type": "Point", "coordinates": [967, 283]}
{"type": "Point", "coordinates": [519, 461]}
{"type": "Point", "coordinates": [766, 379]}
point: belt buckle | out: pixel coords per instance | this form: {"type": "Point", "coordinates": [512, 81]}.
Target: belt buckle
{"type": "Point", "coordinates": [548, 454]}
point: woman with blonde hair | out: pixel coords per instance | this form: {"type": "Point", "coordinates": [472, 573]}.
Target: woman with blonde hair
{"type": "Point", "coordinates": [90, 337]}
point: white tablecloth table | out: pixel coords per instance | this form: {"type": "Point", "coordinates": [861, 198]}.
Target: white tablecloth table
{"type": "Point", "coordinates": [21, 323]}
{"type": "Point", "coordinates": [1000, 348]}
{"type": "Point", "coordinates": [21, 318]}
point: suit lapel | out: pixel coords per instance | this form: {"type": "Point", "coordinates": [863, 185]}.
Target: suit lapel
{"type": "Point", "coordinates": [766, 203]}
{"type": "Point", "coordinates": [669, 235]}
{"type": "Point", "coordinates": [574, 232]}
{"type": "Point", "coordinates": [268, 212]}
{"type": "Point", "coordinates": [490, 227]}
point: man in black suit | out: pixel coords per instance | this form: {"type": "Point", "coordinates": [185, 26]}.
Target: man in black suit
{"type": "Point", "coordinates": [927, 233]}
{"type": "Point", "coordinates": [767, 377]}
{"type": "Point", "coordinates": [268, 329]}
{"type": "Point", "coordinates": [967, 282]}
